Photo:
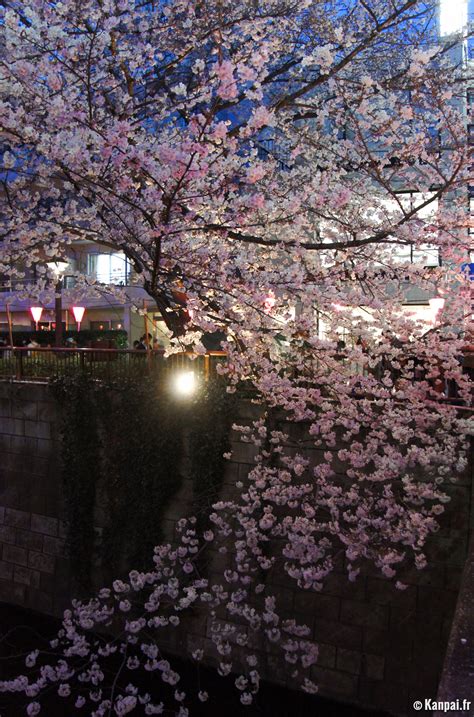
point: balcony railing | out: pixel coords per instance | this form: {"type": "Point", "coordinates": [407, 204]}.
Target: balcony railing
{"type": "Point", "coordinates": [42, 364]}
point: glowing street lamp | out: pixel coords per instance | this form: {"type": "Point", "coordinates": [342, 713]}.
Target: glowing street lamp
{"type": "Point", "coordinates": [78, 312]}
{"type": "Point", "coordinates": [185, 383]}
{"type": "Point", "coordinates": [36, 312]}
{"type": "Point", "coordinates": [58, 268]}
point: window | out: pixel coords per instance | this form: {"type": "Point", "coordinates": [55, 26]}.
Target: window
{"type": "Point", "coordinates": [116, 325]}
{"type": "Point", "coordinates": [109, 268]}
{"type": "Point", "coordinates": [452, 16]}
{"type": "Point", "coordinates": [421, 253]}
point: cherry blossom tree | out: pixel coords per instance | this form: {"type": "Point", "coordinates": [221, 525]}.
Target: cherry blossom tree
{"type": "Point", "coordinates": [279, 164]}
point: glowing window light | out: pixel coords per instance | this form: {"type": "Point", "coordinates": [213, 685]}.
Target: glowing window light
{"type": "Point", "coordinates": [78, 312]}
{"type": "Point", "coordinates": [436, 304]}
{"type": "Point", "coordinates": [36, 312]}
{"type": "Point", "coordinates": [185, 383]}
{"type": "Point", "coordinates": [452, 16]}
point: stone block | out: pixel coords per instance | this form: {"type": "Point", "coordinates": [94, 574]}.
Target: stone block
{"type": "Point", "coordinates": [23, 445]}
{"type": "Point", "coordinates": [49, 584]}
{"type": "Point", "coordinates": [27, 539]}
{"type": "Point", "coordinates": [432, 575]}
{"type": "Point", "coordinates": [14, 554]}
{"type": "Point", "coordinates": [17, 518]}
{"type": "Point", "coordinates": [334, 633]}
{"type": "Point", "coordinates": [38, 429]}
{"type": "Point", "coordinates": [381, 641]}
{"type": "Point", "coordinates": [373, 666]}
{"type": "Point", "coordinates": [12, 462]}
{"type": "Point", "coordinates": [7, 534]}
{"type": "Point", "coordinates": [384, 592]}
{"type": "Point", "coordinates": [316, 605]}
{"type": "Point", "coordinates": [421, 625]}
{"type": "Point", "coordinates": [400, 669]}
{"type": "Point", "coordinates": [13, 593]}
{"type": "Point", "coordinates": [24, 409]}
{"type": "Point", "coordinates": [326, 655]}
{"type": "Point", "coordinates": [16, 487]}
{"type": "Point", "coordinates": [44, 524]}
{"type": "Point", "coordinates": [5, 389]}
{"type": "Point", "coordinates": [25, 576]}
{"type": "Point", "coordinates": [436, 600]}
{"type": "Point", "coordinates": [12, 426]}
{"type": "Point", "coordinates": [453, 576]}
{"type": "Point", "coordinates": [5, 441]}
{"type": "Point", "coordinates": [47, 411]}
{"type": "Point", "coordinates": [277, 670]}
{"type": "Point", "coordinates": [334, 683]}
{"type": "Point", "coordinates": [53, 546]}
{"type": "Point", "coordinates": [338, 584]}
{"type": "Point", "coordinates": [5, 407]}
{"type": "Point", "coordinates": [231, 472]}
{"type": "Point", "coordinates": [248, 410]}
{"type": "Point", "coordinates": [36, 465]}
{"type": "Point", "coordinates": [364, 614]}
{"type": "Point", "coordinates": [450, 550]}
{"type": "Point", "coordinates": [243, 452]}
{"type": "Point", "coordinates": [6, 570]}
{"type": "Point", "coordinates": [33, 391]}
{"type": "Point", "coordinates": [44, 447]}
{"type": "Point", "coordinates": [40, 600]}
{"type": "Point", "coordinates": [40, 561]}
{"type": "Point", "coordinates": [348, 660]}
{"type": "Point", "coordinates": [38, 502]}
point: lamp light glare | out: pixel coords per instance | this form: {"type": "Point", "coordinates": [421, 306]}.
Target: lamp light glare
{"type": "Point", "coordinates": [185, 383]}
{"type": "Point", "coordinates": [452, 16]}
{"type": "Point", "coordinates": [57, 267]}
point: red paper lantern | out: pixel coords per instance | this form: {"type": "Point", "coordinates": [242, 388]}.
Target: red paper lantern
{"type": "Point", "coordinates": [78, 312]}
{"type": "Point", "coordinates": [36, 312]}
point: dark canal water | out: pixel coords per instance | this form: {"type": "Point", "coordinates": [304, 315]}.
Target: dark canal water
{"type": "Point", "coordinates": [22, 631]}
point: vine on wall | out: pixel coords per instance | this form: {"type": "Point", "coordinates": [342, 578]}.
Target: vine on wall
{"type": "Point", "coordinates": [122, 449]}
{"type": "Point", "coordinates": [210, 425]}
{"type": "Point", "coordinates": [81, 468]}
{"type": "Point", "coordinates": [141, 434]}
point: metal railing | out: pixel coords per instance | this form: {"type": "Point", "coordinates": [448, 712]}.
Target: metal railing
{"type": "Point", "coordinates": [42, 364]}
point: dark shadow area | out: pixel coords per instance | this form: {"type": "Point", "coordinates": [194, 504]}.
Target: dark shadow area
{"type": "Point", "coordinates": [23, 630]}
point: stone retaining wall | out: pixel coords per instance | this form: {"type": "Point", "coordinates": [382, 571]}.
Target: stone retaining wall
{"type": "Point", "coordinates": [379, 647]}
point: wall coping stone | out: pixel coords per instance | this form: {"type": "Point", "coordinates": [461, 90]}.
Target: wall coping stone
{"type": "Point", "coordinates": [457, 681]}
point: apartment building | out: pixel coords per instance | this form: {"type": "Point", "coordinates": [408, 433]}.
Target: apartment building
{"type": "Point", "coordinates": [104, 312]}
